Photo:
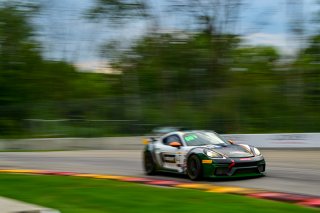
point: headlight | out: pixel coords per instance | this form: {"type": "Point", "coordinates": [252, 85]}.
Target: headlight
{"type": "Point", "coordinates": [212, 154]}
{"type": "Point", "coordinates": [256, 151]}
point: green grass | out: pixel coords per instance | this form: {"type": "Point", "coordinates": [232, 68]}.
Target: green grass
{"type": "Point", "coordinates": [76, 194]}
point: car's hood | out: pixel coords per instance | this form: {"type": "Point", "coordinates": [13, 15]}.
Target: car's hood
{"type": "Point", "coordinates": [233, 151]}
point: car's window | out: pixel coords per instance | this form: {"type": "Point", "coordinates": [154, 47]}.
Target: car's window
{"type": "Point", "coordinates": [171, 138]}
{"type": "Point", "coordinates": [203, 138]}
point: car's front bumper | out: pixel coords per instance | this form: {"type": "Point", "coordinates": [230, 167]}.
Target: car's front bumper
{"type": "Point", "coordinates": [235, 167]}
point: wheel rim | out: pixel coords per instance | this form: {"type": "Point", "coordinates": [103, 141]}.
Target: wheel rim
{"type": "Point", "coordinates": [148, 163]}
{"type": "Point", "coordinates": [193, 169]}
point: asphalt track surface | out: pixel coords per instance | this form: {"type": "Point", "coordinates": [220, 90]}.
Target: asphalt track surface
{"type": "Point", "coordinates": [294, 171]}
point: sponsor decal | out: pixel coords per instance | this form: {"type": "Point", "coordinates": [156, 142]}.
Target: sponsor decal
{"type": "Point", "coordinates": [190, 137]}
{"type": "Point", "coordinates": [245, 159]}
{"type": "Point", "coordinates": [180, 153]}
{"type": "Point", "coordinates": [289, 142]}
{"type": "Point", "coordinates": [289, 137]}
{"type": "Point", "coordinates": [236, 152]}
{"type": "Point", "coordinates": [169, 158]}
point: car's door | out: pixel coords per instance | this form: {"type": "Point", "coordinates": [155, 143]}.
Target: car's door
{"type": "Point", "coordinates": [169, 157]}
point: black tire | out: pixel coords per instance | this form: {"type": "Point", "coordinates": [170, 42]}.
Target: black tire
{"type": "Point", "coordinates": [148, 163]}
{"type": "Point", "coordinates": [194, 168]}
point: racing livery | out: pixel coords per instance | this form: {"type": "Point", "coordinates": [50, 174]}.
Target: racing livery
{"type": "Point", "coordinates": [201, 153]}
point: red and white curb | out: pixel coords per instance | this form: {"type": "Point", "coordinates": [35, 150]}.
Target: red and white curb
{"type": "Point", "coordinates": [305, 200]}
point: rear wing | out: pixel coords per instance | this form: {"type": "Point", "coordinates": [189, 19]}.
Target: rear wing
{"type": "Point", "coordinates": [150, 139]}
{"type": "Point", "coordinates": [160, 131]}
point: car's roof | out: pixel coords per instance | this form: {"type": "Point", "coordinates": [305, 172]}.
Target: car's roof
{"type": "Point", "coordinates": [186, 132]}
{"type": "Point", "coordinates": [196, 130]}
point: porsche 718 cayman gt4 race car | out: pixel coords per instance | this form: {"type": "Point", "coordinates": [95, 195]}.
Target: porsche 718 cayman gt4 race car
{"type": "Point", "coordinates": [200, 153]}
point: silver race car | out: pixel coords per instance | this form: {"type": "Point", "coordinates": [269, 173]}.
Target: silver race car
{"type": "Point", "coordinates": [201, 153]}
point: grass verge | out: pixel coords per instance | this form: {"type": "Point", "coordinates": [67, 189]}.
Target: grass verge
{"type": "Point", "coordinates": [76, 194]}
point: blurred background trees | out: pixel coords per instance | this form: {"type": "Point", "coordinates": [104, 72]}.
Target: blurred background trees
{"type": "Point", "coordinates": [198, 76]}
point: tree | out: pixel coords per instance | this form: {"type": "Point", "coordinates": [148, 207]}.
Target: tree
{"type": "Point", "coordinates": [309, 62]}
{"type": "Point", "coordinates": [16, 44]}
{"type": "Point", "coordinates": [117, 11]}
{"type": "Point", "coordinates": [214, 17]}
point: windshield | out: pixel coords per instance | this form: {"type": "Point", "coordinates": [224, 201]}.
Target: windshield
{"type": "Point", "coordinates": [203, 138]}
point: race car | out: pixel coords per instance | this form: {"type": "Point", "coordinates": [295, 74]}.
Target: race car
{"type": "Point", "coordinates": [201, 153]}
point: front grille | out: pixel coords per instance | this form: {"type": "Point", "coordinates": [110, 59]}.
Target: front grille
{"type": "Point", "coordinates": [245, 164]}
{"type": "Point", "coordinates": [262, 168]}
{"type": "Point", "coordinates": [246, 171]}
{"type": "Point", "coordinates": [220, 171]}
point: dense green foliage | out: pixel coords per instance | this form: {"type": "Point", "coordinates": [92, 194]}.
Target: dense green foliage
{"type": "Point", "coordinates": [75, 194]}
{"type": "Point", "coordinates": [34, 88]}
{"type": "Point", "coordinates": [206, 79]}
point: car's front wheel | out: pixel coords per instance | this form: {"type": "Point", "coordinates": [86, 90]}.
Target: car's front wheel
{"type": "Point", "coordinates": [149, 165]}
{"type": "Point", "coordinates": [194, 168]}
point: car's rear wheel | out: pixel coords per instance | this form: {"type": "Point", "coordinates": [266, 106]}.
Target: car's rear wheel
{"type": "Point", "coordinates": [149, 165]}
{"type": "Point", "coordinates": [194, 168]}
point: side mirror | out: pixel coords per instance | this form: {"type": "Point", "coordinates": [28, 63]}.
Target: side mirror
{"type": "Point", "coordinates": [175, 144]}
{"type": "Point", "coordinates": [231, 141]}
